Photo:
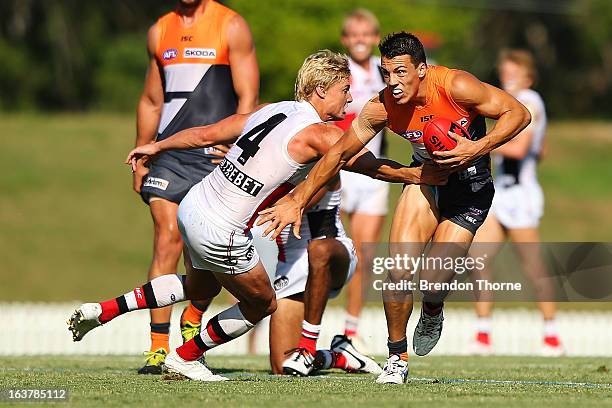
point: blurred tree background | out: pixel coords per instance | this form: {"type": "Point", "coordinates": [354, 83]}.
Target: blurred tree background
{"type": "Point", "coordinates": [71, 55]}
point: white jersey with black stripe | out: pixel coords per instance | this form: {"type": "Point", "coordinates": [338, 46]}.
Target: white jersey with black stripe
{"type": "Point", "coordinates": [257, 170]}
{"type": "Point", "coordinates": [512, 171]}
{"type": "Point", "coordinates": [364, 85]}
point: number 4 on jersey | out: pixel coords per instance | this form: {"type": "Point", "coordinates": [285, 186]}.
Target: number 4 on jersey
{"type": "Point", "coordinates": [251, 146]}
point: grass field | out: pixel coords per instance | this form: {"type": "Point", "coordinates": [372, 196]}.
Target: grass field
{"type": "Point", "coordinates": [443, 381]}
{"type": "Point", "coordinates": [71, 227]}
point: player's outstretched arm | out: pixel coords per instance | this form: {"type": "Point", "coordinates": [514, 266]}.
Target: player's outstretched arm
{"type": "Point", "coordinates": [490, 102]}
{"type": "Point", "coordinates": [222, 132]}
{"type": "Point", "coordinates": [289, 209]}
{"type": "Point", "coordinates": [393, 172]}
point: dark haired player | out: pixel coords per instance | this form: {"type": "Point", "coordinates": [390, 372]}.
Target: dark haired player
{"type": "Point", "coordinates": [416, 93]}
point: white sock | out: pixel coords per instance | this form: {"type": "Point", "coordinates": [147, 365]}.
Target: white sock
{"type": "Point", "coordinates": [550, 328]}
{"type": "Point", "coordinates": [226, 326]}
{"type": "Point", "coordinates": [483, 325]}
{"type": "Point", "coordinates": [350, 325]}
{"type": "Point", "coordinates": [310, 331]}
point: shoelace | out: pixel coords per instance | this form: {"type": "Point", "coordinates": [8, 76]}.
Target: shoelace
{"type": "Point", "coordinates": [430, 324]}
{"type": "Point", "coordinates": [153, 357]}
{"type": "Point", "coordinates": [393, 366]}
{"type": "Point", "coordinates": [191, 332]}
{"type": "Point", "coordinates": [300, 351]}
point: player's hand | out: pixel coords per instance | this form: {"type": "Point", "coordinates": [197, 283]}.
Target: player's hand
{"type": "Point", "coordinates": [431, 174]}
{"type": "Point", "coordinates": [465, 152]}
{"type": "Point", "coordinates": [219, 151]}
{"type": "Point", "coordinates": [286, 211]}
{"type": "Point", "coordinates": [143, 152]}
{"type": "Point", "coordinates": [138, 175]}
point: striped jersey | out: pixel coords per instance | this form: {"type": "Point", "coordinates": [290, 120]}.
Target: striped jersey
{"type": "Point", "coordinates": [198, 87]}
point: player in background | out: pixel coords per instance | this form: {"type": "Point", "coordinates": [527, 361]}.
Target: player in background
{"type": "Point", "coordinates": [518, 204]}
{"type": "Point", "coordinates": [309, 272]}
{"type": "Point", "coordinates": [216, 215]}
{"type": "Point", "coordinates": [202, 69]}
{"type": "Point", "coordinates": [448, 215]}
{"type": "Point", "coordinates": [364, 199]}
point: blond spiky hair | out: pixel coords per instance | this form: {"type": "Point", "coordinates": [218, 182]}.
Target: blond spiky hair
{"type": "Point", "coordinates": [323, 68]}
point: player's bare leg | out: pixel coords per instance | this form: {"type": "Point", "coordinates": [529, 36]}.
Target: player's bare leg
{"type": "Point", "coordinates": [414, 223]}
{"type": "Point", "coordinates": [167, 248]}
{"type": "Point", "coordinates": [449, 241]}
{"type": "Point", "coordinates": [285, 330]}
{"type": "Point", "coordinates": [488, 241]}
{"type": "Point", "coordinates": [191, 317]}
{"type": "Point", "coordinates": [535, 269]}
{"type": "Point", "coordinates": [365, 228]}
{"type": "Point", "coordinates": [328, 264]}
{"type": "Point", "coordinates": [256, 300]}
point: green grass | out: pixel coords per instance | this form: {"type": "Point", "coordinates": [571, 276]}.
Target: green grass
{"type": "Point", "coordinates": [441, 381]}
{"type": "Point", "coordinates": [71, 227]}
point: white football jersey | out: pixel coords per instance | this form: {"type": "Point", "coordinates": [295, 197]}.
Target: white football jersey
{"type": "Point", "coordinates": [511, 171]}
{"type": "Point", "coordinates": [364, 85]}
{"type": "Point", "coordinates": [257, 170]}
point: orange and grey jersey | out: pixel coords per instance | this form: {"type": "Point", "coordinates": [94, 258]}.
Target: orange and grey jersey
{"type": "Point", "coordinates": [197, 80]}
{"type": "Point", "coordinates": [409, 120]}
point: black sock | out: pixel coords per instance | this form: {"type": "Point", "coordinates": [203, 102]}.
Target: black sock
{"type": "Point", "coordinates": [161, 328]}
{"type": "Point", "coordinates": [398, 347]}
{"type": "Point", "coordinates": [433, 309]}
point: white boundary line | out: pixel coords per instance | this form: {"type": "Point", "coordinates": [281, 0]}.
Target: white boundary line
{"type": "Point", "coordinates": [237, 376]}
{"type": "Point", "coordinates": [424, 379]}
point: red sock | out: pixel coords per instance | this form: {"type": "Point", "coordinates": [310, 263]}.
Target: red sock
{"type": "Point", "coordinates": [350, 333]}
{"type": "Point", "coordinates": [190, 351]}
{"type": "Point", "coordinates": [483, 337]}
{"type": "Point", "coordinates": [110, 310]}
{"type": "Point", "coordinates": [552, 341]}
{"type": "Point", "coordinates": [310, 334]}
{"type": "Point", "coordinates": [339, 360]}
{"type": "Point", "coordinates": [308, 343]}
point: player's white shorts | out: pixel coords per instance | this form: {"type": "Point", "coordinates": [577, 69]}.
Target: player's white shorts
{"type": "Point", "coordinates": [292, 274]}
{"type": "Point", "coordinates": [266, 249]}
{"type": "Point", "coordinates": [518, 206]}
{"type": "Point", "coordinates": [364, 195]}
{"type": "Point", "coordinates": [214, 247]}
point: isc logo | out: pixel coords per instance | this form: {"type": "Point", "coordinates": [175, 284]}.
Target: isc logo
{"type": "Point", "coordinates": [200, 53]}
{"type": "Point", "coordinates": [169, 54]}
{"type": "Point", "coordinates": [426, 118]}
